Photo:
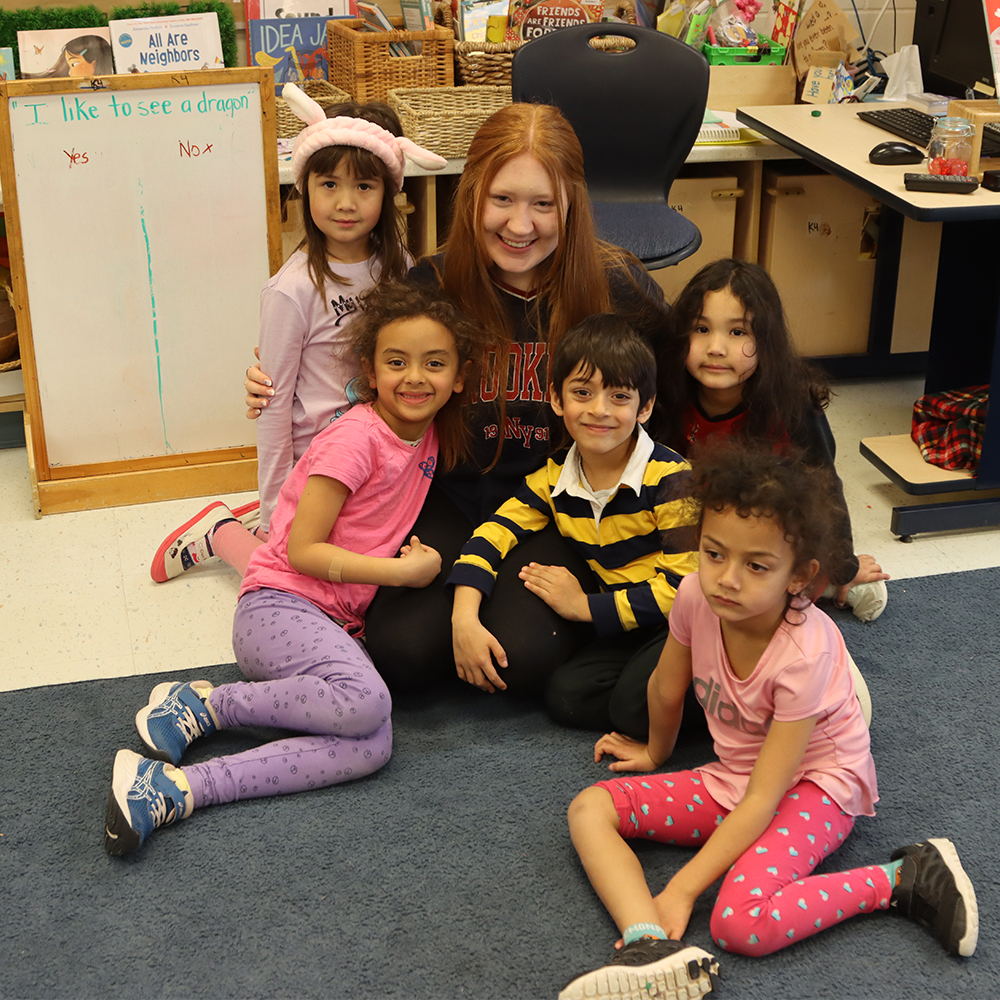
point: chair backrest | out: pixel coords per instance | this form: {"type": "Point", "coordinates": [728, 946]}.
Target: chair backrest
{"type": "Point", "coordinates": [637, 113]}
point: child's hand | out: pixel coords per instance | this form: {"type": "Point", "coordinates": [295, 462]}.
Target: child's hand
{"type": "Point", "coordinates": [418, 563]}
{"type": "Point", "coordinates": [674, 909]}
{"type": "Point", "coordinates": [258, 387]}
{"type": "Point", "coordinates": [632, 755]}
{"type": "Point", "coordinates": [869, 571]}
{"type": "Point", "coordinates": [560, 590]}
{"type": "Point", "coordinates": [475, 647]}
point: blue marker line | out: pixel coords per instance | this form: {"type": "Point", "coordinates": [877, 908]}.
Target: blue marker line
{"type": "Point", "coordinates": [156, 341]}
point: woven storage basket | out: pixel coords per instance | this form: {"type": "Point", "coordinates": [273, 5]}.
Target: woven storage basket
{"type": "Point", "coordinates": [444, 119]}
{"type": "Point", "coordinates": [323, 93]}
{"type": "Point", "coordinates": [490, 62]}
{"type": "Point", "coordinates": [360, 61]}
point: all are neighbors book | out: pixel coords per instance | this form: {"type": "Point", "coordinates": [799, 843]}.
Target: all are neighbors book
{"type": "Point", "coordinates": [159, 44]}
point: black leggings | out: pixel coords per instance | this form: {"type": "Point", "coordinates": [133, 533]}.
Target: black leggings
{"type": "Point", "coordinates": [409, 631]}
{"type": "Point", "coordinates": [603, 687]}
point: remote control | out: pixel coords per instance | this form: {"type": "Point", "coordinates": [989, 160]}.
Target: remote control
{"type": "Point", "coordinates": [942, 183]}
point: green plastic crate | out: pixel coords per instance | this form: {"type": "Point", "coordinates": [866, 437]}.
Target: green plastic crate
{"type": "Point", "coordinates": [736, 55]}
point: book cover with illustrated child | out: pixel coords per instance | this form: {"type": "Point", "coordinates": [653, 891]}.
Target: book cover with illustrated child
{"type": "Point", "coordinates": [526, 20]}
{"type": "Point", "coordinates": [6, 64]}
{"type": "Point", "coordinates": [294, 47]}
{"type": "Point", "coordinates": [65, 52]}
{"type": "Point", "coordinates": [159, 44]}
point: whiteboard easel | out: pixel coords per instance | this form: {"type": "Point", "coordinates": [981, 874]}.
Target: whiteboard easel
{"type": "Point", "coordinates": [143, 221]}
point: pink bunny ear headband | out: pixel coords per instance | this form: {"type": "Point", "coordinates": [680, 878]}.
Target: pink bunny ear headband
{"type": "Point", "coordinates": [321, 131]}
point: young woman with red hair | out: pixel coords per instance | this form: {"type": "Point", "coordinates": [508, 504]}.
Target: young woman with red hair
{"type": "Point", "coordinates": [522, 259]}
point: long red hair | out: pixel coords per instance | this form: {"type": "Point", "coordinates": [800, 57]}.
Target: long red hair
{"type": "Point", "coordinates": [574, 283]}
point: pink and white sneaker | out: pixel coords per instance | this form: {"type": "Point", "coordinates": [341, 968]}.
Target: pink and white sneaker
{"type": "Point", "coordinates": [190, 544]}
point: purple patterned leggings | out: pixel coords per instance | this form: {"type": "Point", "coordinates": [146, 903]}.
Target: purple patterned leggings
{"type": "Point", "coordinates": [305, 673]}
{"type": "Point", "coordinates": [768, 898]}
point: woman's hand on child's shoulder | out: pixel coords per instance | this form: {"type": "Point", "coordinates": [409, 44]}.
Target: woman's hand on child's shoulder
{"type": "Point", "coordinates": [419, 564]}
{"type": "Point", "coordinates": [632, 755]}
{"type": "Point", "coordinates": [258, 389]}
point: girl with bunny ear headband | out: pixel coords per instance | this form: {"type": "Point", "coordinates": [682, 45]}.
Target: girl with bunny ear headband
{"type": "Point", "coordinates": [321, 131]}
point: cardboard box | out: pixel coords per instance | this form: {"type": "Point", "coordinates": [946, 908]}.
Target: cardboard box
{"type": "Point", "coordinates": [812, 243]}
{"type": "Point", "coordinates": [730, 87]}
{"type": "Point", "coordinates": [710, 203]}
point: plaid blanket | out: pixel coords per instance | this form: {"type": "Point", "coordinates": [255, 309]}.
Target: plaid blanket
{"type": "Point", "coordinates": [948, 426]}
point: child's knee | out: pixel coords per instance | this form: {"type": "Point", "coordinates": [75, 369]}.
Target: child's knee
{"type": "Point", "coordinates": [373, 752]}
{"type": "Point", "coordinates": [743, 931]}
{"type": "Point", "coordinates": [592, 806]}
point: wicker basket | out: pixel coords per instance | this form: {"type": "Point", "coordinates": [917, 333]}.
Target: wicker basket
{"type": "Point", "coordinates": [488, 63]}
{"type": "Point", "coordinates": [444, 119]}
{"type": "Point", "coordinates": [361, 63]}
{"type": "Point", "coordinates": [323, 93]}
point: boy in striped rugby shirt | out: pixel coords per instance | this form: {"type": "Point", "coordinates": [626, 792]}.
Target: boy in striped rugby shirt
{"type": "Point", "coordinates": [622, 501]}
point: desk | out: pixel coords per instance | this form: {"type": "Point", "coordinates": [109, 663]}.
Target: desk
{"type": "Point", "coordinates": [965, 326]}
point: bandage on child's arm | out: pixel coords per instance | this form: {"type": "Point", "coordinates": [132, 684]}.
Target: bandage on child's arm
{"type": "Point", "coordinates": [333, 574]}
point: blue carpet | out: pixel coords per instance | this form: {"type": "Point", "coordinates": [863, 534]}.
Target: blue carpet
{"type": "Point", "coordinates": [450, 873]}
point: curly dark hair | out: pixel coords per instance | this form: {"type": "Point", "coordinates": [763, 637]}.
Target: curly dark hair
{"type": "Point", "coordinates": [756, 481]}
{"type": "Point", "coordinates": [388, 302]}
{"type": "Point", "coordinates": [783, 387]}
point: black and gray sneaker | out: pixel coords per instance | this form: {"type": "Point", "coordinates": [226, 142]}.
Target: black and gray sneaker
{"type": "Point", "coordinates": [649, 969]}
{"type": "Point", "coordinates": [934, 891]}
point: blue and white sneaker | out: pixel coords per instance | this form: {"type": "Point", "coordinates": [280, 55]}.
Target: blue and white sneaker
{"type": "Point", "coordinates": [177, 714]}
{"type": "Point", "coordinates": [143, 796]}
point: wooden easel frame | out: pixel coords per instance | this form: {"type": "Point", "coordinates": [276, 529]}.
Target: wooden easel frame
{"type": "Point", "coordinates": [114, 484]}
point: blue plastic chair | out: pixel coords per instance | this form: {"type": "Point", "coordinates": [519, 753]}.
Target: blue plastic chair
{"type": "Point", "coordinates": [637, 114]}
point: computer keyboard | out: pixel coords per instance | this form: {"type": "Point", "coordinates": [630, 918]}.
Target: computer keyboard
{"type": "Point", "coordinates": [915, 126]}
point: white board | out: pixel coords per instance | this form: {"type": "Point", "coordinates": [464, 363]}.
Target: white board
{"type": "Point", "coordinates": [144, 228]}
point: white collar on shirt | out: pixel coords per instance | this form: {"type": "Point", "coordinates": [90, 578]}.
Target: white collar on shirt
{"type": "Point", "coordinates": [572, 481]}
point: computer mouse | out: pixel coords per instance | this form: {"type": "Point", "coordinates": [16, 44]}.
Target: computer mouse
{"type": "Point", "coordinates": [894, 153]}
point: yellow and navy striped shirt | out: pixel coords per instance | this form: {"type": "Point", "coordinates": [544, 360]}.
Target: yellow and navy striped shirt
{"type": "Point", "coordinates": [641, 546]}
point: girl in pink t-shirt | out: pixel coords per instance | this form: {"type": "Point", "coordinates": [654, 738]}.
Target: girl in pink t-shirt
{"type": "Point", "coordinates": [340, 520]}
{"type": "Point", "coordinates": [795, 768]}
{"type": "Point", "coordinates": [348, 168]}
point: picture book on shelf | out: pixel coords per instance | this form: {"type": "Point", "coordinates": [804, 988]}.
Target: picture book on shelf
{"type": "Point", "coordinates": [294, 47]}
{"type": "Point", "coordinates": [65, 52]}
{"type": "Point", "coordinates": [418, 15]}
{"type": "Point", "coordinates": [6, 64]}
{"type": "Point", "coordinates": [993, 30]}
{"type": "Point", "coordinates": [526, 20]}
{"type": "Point", "coordinates": [374, 19]}
{"type": "Point", "coordinates": [156, 44]}
{"type": "Point", "coordinates": [474, 17]}
{"type": "Point", "coordinates": [266, 10]}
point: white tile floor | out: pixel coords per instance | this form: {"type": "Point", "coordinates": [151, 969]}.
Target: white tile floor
{"type": "Point", "coordinates": [76, 600]}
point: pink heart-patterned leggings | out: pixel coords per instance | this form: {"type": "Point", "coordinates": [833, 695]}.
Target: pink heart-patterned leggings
{"type": "Point", "coordinates": [769, 898]}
